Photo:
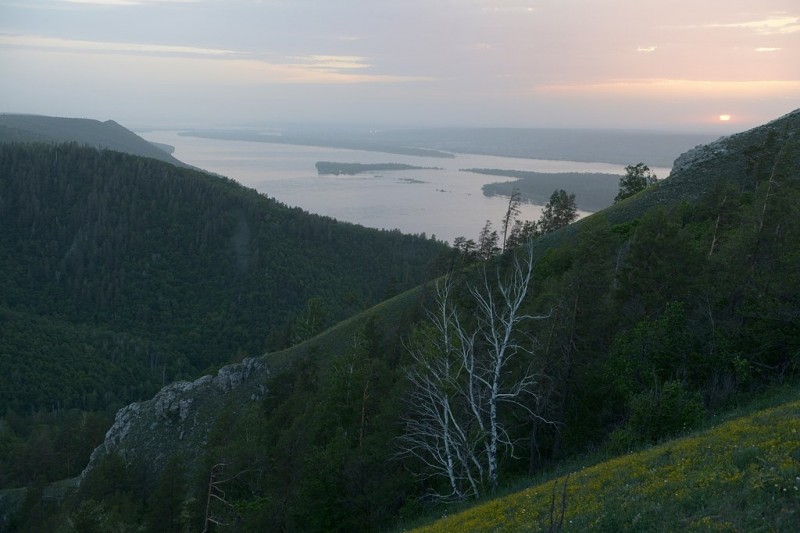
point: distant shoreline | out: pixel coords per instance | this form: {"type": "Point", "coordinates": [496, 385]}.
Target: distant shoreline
{"type": "Point", "coordinates": [310, 140]}
{"type": "Point", "coordinates": [618, 147]}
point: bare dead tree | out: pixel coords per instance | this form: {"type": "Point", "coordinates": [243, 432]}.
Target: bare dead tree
{"type": "Point", "coordinates": [460, 379]}
{"type": "Point", "coordinates": [499, 317]}
{"type": "Point", "coordinates": [435, 433]}
{"type": "Point", "coordinates": [216, 497]}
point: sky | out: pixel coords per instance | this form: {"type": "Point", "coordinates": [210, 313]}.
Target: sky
{"type": "Point", "coordinates": [683, 65]}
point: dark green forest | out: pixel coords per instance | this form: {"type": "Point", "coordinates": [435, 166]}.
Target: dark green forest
{"type": "Point", "coordinates": [120, 274]}
{"type": "Point", "coordinates": [651, 316]}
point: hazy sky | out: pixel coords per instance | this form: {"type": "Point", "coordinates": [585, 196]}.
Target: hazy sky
{"type": "Point", "coordinates": [676, 64]}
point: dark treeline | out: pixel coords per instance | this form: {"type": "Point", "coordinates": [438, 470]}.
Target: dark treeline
{"type": "Point", "coordinates": [593, 191]}
{"type": "Point", "coordinates": [120, 274]}
{"type": "Point", "coordinates": [331, 167]}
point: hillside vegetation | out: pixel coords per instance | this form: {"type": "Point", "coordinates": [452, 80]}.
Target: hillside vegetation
{"type": "Point", "coordinates": [743, 475]}
{"type": "Point", "coordinates": [186, 270]}
{"type": "Point", "coordinates": [637, 324]}
{"type": "Point", "coordinates": [121, 274]}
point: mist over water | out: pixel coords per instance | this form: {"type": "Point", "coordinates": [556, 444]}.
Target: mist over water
{"type": "Point", "coordinates": [446, 203]}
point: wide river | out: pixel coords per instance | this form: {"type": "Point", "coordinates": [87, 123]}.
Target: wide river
{"type": "Point", "coordinates": [446, 203]}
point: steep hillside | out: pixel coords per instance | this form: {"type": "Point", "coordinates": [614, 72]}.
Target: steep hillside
{"type": "Point", "coordinates": [738, 160]}
{"type": "Point", "coordinates": [121, 274]}
{"type": "Point", "coordinates": [743, 475]}
{"type": "Point", "coordinates": [181, 417]}
{"type": "Point", "coordinates": [54, 130]}
{"type": "Point", "coordinates": [741, 161]}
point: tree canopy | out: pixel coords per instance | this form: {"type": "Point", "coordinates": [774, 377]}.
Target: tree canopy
{"type": "Point", "coordinates": [560, 211]}
{"type": "Point", "coordinates": [637, 178]}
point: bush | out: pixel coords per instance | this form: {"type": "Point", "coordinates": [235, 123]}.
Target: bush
{"type": "Point", "coordinates": [660, 412]}
{"type": "Point", "coordinates": [664, 411]}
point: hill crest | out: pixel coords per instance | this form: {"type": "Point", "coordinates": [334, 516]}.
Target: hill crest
{"type": "Point", "coordinates": [108, 135]}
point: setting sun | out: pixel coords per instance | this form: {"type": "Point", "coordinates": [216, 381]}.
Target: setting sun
{"type": "Point", "coordinates": [724, 118]}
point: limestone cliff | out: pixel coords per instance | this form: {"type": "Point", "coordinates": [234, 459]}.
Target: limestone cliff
{"type": "Point", "coordinates": [178, 418]}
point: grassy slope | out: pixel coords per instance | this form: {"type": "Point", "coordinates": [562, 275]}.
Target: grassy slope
{"type": "Point", "coordinates": [392, 314]}
{"type": "Point", "coordinates": [742, 475]}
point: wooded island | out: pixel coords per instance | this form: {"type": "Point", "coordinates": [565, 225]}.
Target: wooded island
{"type": "Point", "coordinates": [351, 169]}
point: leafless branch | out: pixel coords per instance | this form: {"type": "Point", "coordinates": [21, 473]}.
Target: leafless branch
{"type": "Point", "coordinates": [461, 376]}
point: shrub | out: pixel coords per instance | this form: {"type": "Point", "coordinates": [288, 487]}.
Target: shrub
{"type": "Point", "coordinates": [663, 411]}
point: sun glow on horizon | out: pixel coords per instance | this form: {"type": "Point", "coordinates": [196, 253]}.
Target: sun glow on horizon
{"type": "Point", "coordinates": [724, 118]}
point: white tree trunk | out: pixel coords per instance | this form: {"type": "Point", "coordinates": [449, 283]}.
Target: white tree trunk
{"type": "Point", "coordinates": [455, 426]}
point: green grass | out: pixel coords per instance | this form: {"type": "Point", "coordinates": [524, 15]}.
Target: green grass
{"type": "Point", "coordinates": [742, 475]}
{"type": "Point", "coordinates": [392, 315]}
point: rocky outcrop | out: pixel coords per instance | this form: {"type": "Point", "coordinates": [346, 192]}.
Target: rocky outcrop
{"type": "Point", "coordinates": [178, 418]}
{"type": "Point", "coordinates": [733, 144]}
{"type": "Point", "coordinates": [698, 154]}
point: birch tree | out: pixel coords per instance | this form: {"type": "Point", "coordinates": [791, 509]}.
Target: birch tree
{"type": "Point", "coordinates": [461, 380]}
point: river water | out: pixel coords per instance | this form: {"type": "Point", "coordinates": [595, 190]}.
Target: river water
{"type": "Point", "coordinates": [446, 203]}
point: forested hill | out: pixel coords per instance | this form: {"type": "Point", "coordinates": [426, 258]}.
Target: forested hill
{"type": "Point", "coordinates": [635, 324]}
{"type": "Point", "coordinates": [651, 317]}
{"type": "Point", "coordinates": [54, 130]}
{"type": "Point", "coordinates": [120, 274]}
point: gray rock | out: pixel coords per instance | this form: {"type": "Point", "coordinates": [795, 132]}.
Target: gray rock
{"type": "Point", "coordinates": [178, 418]}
